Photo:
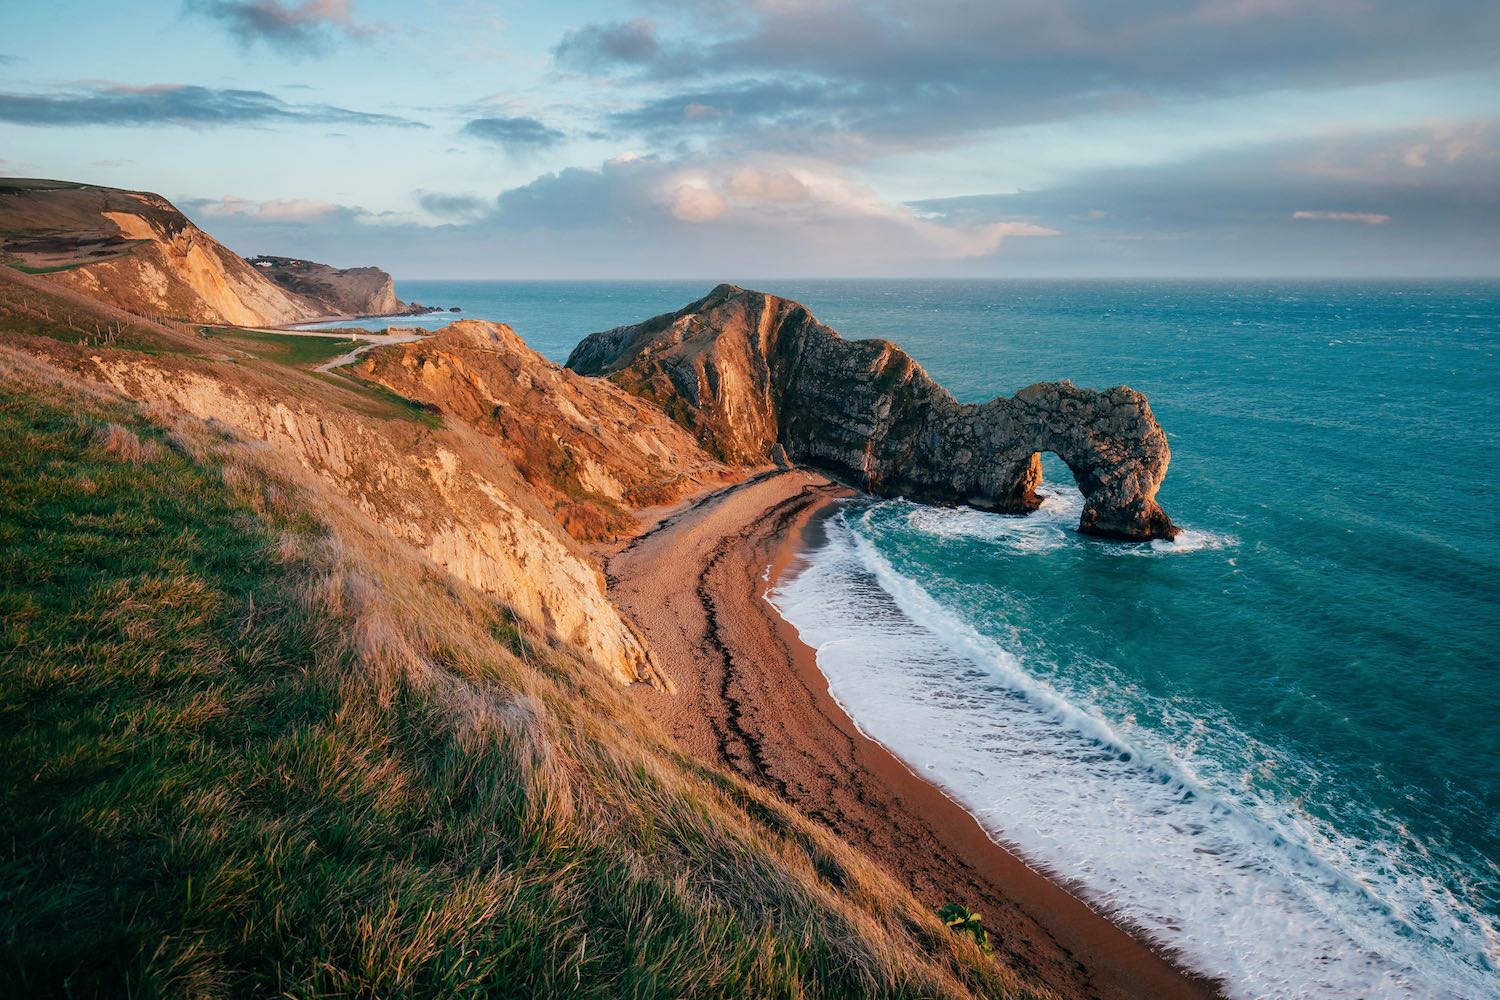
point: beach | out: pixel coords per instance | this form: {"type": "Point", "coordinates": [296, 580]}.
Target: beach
{"type": "Point", "coordinates": [749, 694]}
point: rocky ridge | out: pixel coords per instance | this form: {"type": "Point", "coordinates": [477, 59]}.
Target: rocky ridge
{"type": "Point", "coordinates": [135, 250]}
{"type": "Point", "coordinates": [757, 378]}
{"type": "Point", "coordinates": [438, 485]}
{"type": "Point", "coordinates": [592, 450]}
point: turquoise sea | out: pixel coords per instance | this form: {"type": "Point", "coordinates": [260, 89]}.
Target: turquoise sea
{"type": "Point", "coordinates": [1273, 745]}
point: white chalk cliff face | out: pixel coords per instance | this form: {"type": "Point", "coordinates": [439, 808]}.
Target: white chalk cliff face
{"type": "Point", "coordinates": [354, 291]}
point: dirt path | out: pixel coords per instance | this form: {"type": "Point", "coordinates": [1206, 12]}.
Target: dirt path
{"type": "Point", "coordinates": [368, 341]}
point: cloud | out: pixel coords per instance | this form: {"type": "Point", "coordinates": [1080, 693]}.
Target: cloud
{"type": "Point", "coordinates": [296, 28]}
{"type": "Point", "coordinates": [1368, 218]}
{"type": "Point", "coordinates": [695, 203]}
{"type": "Point", "coordinates": [636, 216]}
{"type": "Point", "coordinates": [276, 210]}
{"type": "Point", "coordinates": [742, 216]}
{"type": "Point", "coordinates": [596, 48]}
{"type": "Point", "coordinates": [176, 104]}
{"type": "Point", "coordinates": [453, 206]}
{"type": "Point", "coordinates": [1416, 156]}
{"type": "Point", "coordinates": [1230, 212]}
{"type": "Point", "coordinates": [6, 60]}
{"type": "Point", "coordinates": [801, 205]}
{"type": "Point", "coordinates": [904, 74]}
{"type": "Point", "coordinates": [520, 132]}
{"type": "Point", "coordinates": [770, 186]}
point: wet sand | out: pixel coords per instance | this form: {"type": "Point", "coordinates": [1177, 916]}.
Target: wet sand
{"type": "Point", "coordinates": [749, 694]}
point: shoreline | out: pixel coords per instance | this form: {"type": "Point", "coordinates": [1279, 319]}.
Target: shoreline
{"type": "Point", "coordinates": [750, 695]}
{"type": "Point", "coordinates": [302, 325]}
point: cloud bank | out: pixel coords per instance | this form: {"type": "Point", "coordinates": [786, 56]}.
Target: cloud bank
{"type": "Point", "coordinates": [176, 104]}
{"type": "Point", "coordinates": [635, 216]}
{"type": "Point", "coordinates": [865, 77]}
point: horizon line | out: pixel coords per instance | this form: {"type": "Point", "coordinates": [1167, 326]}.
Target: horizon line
{"type": "Point", "coordinates": [712, 281]}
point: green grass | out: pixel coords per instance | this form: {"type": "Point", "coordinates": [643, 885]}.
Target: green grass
{"type": "Point", "coordinates": [374, 400]}
{"type": "Point", "coordinates": [128, 337]}
{"type": "Point", "coordinates": [285, 349]}
{"type": "Point", "coordinates": [28, 269]}
{"type": "Point", "coordinates": [377, 400]}
{"type": "Point", "coordinates": [249, 754]}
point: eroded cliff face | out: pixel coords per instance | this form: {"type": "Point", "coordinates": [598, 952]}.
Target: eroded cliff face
{"type": "Point", "coordinates": [752, 375]}
{"type": "Point", "coordinates": [136, 251]}
{"type": "Point", "coordinates": [590, 449]}
{"type": "Point", "coordinates": [446, 492]}
{"type": "Point", "coordinates": [352, 291]}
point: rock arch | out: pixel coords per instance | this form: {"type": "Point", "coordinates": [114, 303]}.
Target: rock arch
{"type": "Point", "coordinates": [1112, 444]}
{"type": "Point", "coordinates": [751, 373]}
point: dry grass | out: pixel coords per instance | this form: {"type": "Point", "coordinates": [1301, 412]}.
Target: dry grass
{"type": "Point", "coordinates": [36, 307]}
{"type": "Point", "coordinates": [253, 750]}
{"type": "Point", "coordinates": [122, 443]}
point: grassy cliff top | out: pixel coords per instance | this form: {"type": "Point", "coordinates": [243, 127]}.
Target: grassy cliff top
{"type": "Point", "coordinates": [256, 747]}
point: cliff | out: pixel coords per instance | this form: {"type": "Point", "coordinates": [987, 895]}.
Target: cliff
{"type": "Point", "coordinates": [591, 450]}
{"type": "Point", "coordinates": [136, 251]}
{"type": "Point", "coordinates": [263, 604]}
{"type": "Point", "coordinates": [755, 377]}
{"type": "Point", "coordinates": [354, 291]}
{"type": "Point", "coordinates": [210, 631]}
{"type": "Point", "coordinates": [438, 487]}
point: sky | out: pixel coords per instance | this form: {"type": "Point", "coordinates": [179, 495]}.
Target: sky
{"type": "Point", "coordinates": [785, 138]}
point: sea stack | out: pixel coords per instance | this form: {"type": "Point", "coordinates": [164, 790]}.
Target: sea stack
{"type": "Point", "coordinates": [749, 373]}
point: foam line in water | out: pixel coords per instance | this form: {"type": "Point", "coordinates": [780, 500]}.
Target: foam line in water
{"type": "Point", "coordinates": [1249, 891]}
{"type": "Point", "coordinates": [1051, 527]}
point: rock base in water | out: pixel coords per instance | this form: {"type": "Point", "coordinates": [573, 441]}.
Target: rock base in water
{"type": "Point", "coordinates": [756, 376]}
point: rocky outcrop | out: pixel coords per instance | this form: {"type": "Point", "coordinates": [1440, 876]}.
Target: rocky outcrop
{"type": "Point", "coordinates": [136, 251]}
{"type": "Point", "coordinates": [592, 450]}
{"type": "Point", "coordinates": [751, 373]}
{"type": "Point", "coordinates": [354, 291]}
{"type": "Point", "coordinates": [445, 492]}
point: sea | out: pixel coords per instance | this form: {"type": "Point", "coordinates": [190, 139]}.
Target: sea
{"type": "Point", "coordinates": [1271, 745]}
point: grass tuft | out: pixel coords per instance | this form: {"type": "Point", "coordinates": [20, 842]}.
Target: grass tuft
{"type": "Point", "coordinates": [256, 751]}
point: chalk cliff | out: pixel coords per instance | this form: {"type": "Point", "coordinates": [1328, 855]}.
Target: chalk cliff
{"type": "Point", "coordinates": [756, 377]}
{"type": "Point", "coordinates": [352, 291]}
{"type": "Point", "coordinates": [438, 485]}
{"type": "Point", "coordinates": [135, 250]}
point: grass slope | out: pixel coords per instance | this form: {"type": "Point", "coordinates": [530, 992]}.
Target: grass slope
{"type": "Point", "coordinates": [252, 751]}
{"type": "Point", "coordinates": [283, 348]}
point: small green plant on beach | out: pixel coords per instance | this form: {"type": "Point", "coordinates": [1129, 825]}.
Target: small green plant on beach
{"type": "Point", "coordinates": [962, 920]}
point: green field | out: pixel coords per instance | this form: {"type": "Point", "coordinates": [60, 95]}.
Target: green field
{"type": "Point", "coordinates": [286, 349]}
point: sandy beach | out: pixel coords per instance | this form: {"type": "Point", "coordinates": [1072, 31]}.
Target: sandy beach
{"type": "Point", "coordinates": [749, 693]}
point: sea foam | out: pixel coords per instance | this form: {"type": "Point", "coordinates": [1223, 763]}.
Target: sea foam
{"type": "Point", "coordinates": [1241, 886]}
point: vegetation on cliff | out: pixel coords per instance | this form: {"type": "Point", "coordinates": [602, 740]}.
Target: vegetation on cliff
{"type": "Point", "coordinates": [261, 743]}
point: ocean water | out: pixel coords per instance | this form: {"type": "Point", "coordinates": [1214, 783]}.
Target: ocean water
{"type": "Point", "coordinates": [1272, 745]}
